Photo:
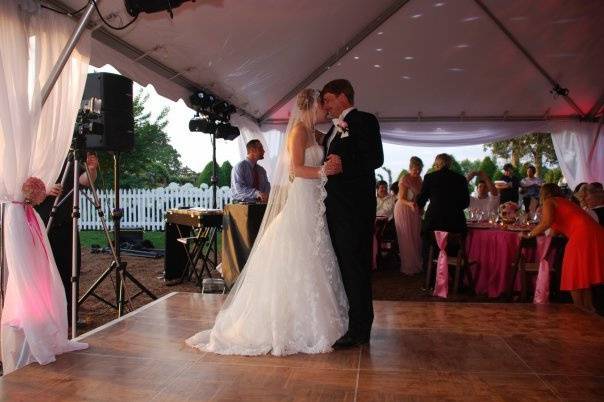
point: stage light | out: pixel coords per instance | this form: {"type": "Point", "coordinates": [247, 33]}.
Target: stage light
{"type": "Point", "coordinates": [134, 7]}
{"type": "Point", "coordinates": [224, 109]}
{"type": "Point", "coordinates": [203, 125]}
{"type": "Point", "coordinates": [227, 132]}
{"type": "Point", "coordinates": [202, 100]}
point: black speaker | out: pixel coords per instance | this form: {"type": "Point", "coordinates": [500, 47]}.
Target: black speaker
{"type": "Point", "coordinates": [116, 118]}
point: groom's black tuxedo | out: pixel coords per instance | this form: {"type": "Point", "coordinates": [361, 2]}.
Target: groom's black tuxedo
{"type": "Point", "coordinates": [350, 210]}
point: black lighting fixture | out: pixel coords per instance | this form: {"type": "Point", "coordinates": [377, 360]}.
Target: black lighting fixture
{"type": "Point", "coordinates": [557, 90]}
{"type": "Point", "coordinates": [134, 7]}
{"type": "Point", "coordinates": [202, 124]}
{"type": "Point", "coordinates": [202, 100]}
{"type": "Point", "coordinates": [223, 109]}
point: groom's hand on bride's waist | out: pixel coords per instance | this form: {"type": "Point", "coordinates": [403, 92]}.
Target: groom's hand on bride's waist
{"type": "Point", "coordinates": [333, 165]}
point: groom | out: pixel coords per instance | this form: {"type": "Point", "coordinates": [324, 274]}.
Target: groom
{"type": "Point", "coordinates": [355, 138]}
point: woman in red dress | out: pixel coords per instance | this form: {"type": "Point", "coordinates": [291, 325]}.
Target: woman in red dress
{"type": "Point", "coordinates": [583, 264]}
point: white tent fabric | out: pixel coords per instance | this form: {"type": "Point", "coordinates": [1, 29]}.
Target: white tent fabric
{"type": "Point", "coordinates": [580, 151]}
{"type": "Point", "coordinates": [34, 142]}
{"type": "Point", "coordinates": [440, 58]}
{"type": "Point", "coordinates": [435, 59]}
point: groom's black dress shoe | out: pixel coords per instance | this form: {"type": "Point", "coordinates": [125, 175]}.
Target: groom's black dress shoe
{"type": "Point", "coordinates": [349, 341]}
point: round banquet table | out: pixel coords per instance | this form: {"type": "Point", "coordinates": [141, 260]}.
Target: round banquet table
{"type": "Point", "coordinates": [494, 250]}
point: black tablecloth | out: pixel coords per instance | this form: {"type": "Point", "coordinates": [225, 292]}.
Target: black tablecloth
{"type": "Point", "coordinates": [240, 224]}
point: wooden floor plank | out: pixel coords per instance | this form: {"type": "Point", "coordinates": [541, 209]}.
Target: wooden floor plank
{"type": "Point", "coordinates": [418, 351]}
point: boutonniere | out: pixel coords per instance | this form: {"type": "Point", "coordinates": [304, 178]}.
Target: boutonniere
{"type": "Point", "coordinates": [341, 127]}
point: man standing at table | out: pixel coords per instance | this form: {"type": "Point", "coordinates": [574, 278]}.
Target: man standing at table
{"type": "Point", "coordinates": [249, 182]}
{"type": "Point", "coordinates": [509, 191]}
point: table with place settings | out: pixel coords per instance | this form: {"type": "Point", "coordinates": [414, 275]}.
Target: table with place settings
{"type": "Point", "coordinates": [493, 247]}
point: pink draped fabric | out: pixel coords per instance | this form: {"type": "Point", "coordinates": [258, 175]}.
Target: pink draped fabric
{"type": "Point", "coordinates": [441, 285]}
{"type": "Point", "coordinates": [494, 251]}
{"type": "Point", "coordinates": [543, 277]}
{"type": "Point", "coordinates": [39, 322]}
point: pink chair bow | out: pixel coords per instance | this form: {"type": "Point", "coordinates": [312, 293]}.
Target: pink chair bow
{"type": "Point", "coordinates": [441, 285]}
{"type": "Point", "coordinates": [542, 285]}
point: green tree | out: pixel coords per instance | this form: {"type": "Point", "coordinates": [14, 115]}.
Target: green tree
{"type": "Point", "coordinates": [488, 166]}
{"type": "Point", "coordinates": [185, 175]}
{"type": "Point", "coordinates": [153, 162]}
{"type": "Point", "coordinates": [401, 174]}
{"type": "Point", "coordinates": [388, 174]}
{"type": "Point", "coordinates": [538, 148]}
{"type": "Point", "coordinates": [468, 166]}
{"type": "Point", "coordinates": [206, 174]}
{"type": "Point", "coordinates": [224, 177]}
{"type": "Point", "coordinates": [553, 175]}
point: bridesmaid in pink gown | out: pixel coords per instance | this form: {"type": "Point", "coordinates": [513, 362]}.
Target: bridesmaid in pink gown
{"type": "Point", "coordinates": [407, 218]}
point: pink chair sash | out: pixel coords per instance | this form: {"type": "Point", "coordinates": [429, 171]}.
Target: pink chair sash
{"type": "Point", "coordinates": [542, 285]}
{"type": "Point", "coordinates": [441, 285]}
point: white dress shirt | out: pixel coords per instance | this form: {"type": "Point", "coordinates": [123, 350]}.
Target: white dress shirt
{"type": "Point", "coordinates": [335, 129]}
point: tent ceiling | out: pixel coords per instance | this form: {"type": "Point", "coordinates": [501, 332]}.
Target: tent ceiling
{"type": "Point", "coordinates": [437, 57]}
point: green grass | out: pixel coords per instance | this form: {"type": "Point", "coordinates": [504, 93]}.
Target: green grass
{"type": "Point", "coordinates": [90, 237]}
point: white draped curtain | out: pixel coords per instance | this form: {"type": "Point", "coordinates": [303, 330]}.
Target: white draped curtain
{"type": "Point", "coordinates": [34, 141]}
{"type": "Point", "coordinates": [580, 150]}
{"type": "Point", "coordinates": [579, 145]}
{"type": "Point", "coordinates": [271, 141]}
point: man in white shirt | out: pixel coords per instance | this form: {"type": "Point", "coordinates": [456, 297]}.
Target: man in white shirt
{"type": "Point", "coordinates": [385, 201]}
{"type": "Point", "coordinates": [487, 195]}
{"type": "Point", "coordinates": [529, 188]}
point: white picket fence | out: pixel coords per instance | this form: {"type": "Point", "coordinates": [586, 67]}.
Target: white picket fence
{"type": "Point", "coordinates": [146, 208]}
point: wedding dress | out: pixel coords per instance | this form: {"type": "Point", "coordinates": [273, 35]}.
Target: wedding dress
{"type": "Point", "coordinates": [290, 297]}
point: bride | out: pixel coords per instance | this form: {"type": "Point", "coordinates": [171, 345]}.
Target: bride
{"type": "Point", "coordinates": [289, 297]}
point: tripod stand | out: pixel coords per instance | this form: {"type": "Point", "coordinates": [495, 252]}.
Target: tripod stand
{"type": "Point", "coordinates": [73, 164]}
{"type": "Point", "coordinates": [117, 264]}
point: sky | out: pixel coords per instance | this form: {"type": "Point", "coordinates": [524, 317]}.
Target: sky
{"type": "Point", "coordinates": [195, 149]}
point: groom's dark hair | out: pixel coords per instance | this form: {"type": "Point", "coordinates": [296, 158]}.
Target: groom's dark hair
{"type": "Point", "coordinates": [338, 87]}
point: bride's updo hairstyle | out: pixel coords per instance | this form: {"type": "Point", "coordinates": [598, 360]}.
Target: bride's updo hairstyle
{"type": "Point", "coordinates": [306, 102]}
{"type": "Point", "coordinates": [306, 99]}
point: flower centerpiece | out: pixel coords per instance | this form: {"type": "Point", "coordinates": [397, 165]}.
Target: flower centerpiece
{"type": "Point", "coordinates": [508, 212]}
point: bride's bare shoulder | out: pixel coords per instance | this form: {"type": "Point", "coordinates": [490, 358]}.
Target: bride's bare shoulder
{"type": "Point", "coordinates": [299, 132]}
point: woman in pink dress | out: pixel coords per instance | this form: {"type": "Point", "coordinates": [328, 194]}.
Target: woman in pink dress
{"type": "Point", "coordinates": [407, 218]}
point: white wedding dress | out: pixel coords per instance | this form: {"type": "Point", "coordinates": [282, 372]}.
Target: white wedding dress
{"type": "Point", "coordinates": [291, 298]}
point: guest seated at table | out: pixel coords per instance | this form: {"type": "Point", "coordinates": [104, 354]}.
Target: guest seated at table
{"type": "Point", "coordinates": [385, 201]}
{"type": "Point", "coordinates": [487, 195]}
{"type": "Point", "coordinates": [394, 189]}
{"type": "Point", "coordinates": [509, 190]}
{"type": "Point", "coordinates": [249, 182]}
{"type": "Point", "coordinates": [580, 198]}
{"type": "Point", "coordinates": [579, 194]}
{"type": "Point", "coordinates": [529, 188]}
{"type": "Point", "coordinates": [595, 201]}
{"type": "Point", "coordinates": [583, 263]}
{"type": "Point", "coordinates": [408, 218]}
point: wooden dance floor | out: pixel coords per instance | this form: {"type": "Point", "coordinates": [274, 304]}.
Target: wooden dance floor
{"type": "Point", "coordinates": [431, 351]}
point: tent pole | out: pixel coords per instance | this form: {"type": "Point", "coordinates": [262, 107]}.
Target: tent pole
{"type": "Point", "coordinates": [341, 52]}
{"type": "Point", "coordinates": [66, 53]}
{"type": "Point", "coordinates": [593, 112]}
{"type": "Point", "coordinates": [526, 53]}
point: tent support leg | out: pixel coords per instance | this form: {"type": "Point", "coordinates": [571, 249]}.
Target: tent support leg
{"type": "Point", "coordinates": [526, 53]}
{"type": "Point", "coordinates": [66, 53]}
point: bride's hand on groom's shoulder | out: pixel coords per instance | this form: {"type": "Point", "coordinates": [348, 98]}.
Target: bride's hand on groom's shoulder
{"type": "Point", "coordinates": [333, 165]}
